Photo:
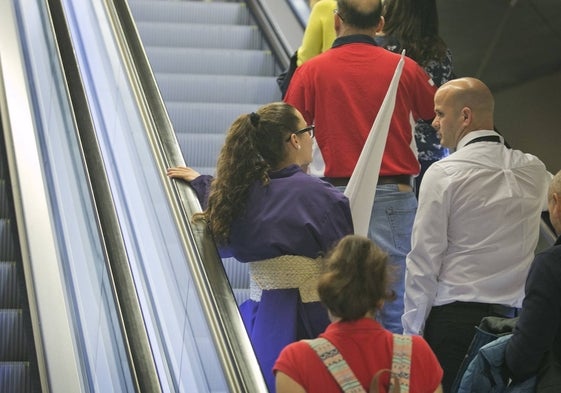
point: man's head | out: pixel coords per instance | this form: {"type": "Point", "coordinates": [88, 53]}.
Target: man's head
{"type": "Point", "coordinates": [358, 17]}
{"type": "Point", "coordinates": [554, 202]}
{"type": "Point", "coordinates": [461, 106]}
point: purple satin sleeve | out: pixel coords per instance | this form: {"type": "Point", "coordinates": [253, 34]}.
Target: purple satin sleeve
{"type": "Point", "coordinates": [201, 185]}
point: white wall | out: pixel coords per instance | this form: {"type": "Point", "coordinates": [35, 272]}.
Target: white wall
{"type": "Point", "coordinates": [529, 116]}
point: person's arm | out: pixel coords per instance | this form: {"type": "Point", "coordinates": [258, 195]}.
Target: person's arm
{"type": "Point", "coordinates": [425, 368]}
{"type": "Point", "coordinates": [338, 222]}
{"type": "Point", "coordinates": [321, 17]}
{"type": "Point", "coordinates": [428, 246]}
{"type": "Point", "coordinates": [311, 40]}
{"type": "Point", "coordinates": [183, 173]}
{"type": "Point", "coordinates": [285, 384]}
{"type": "Point", "coordinates": [299, 95]}
{"type": "Point", "coordinates": [200, 183]}
{"type": "Point", "coordinates": [423, 93]}
{"type": "Point", "coordinates": [292, 367]}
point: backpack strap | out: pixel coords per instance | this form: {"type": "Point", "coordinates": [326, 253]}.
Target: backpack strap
{"type": "Point", "coordinates": [337, 366]}
{"type": "Point", "coordinates": [401, 361]}
{"type": "Point", "coordinates": [342, 373]}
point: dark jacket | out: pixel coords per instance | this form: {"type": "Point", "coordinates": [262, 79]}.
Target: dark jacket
{"type": "Point", "coordinates": [539, 327]}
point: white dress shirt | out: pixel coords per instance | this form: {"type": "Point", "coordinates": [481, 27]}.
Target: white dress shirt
{"type": "Point", "coordinates": [476, 228]}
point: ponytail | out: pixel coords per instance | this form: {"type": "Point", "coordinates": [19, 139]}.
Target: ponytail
{"type": "Point", "coordinates": [255, 144]}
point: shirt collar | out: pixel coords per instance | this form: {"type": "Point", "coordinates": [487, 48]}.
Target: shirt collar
{"type": "Point", "coordinates": [285, 172]}
{"type": "Point", "coordinates": [359, 324]}
{"type": "Point", "coordinates": [476, 134]}
{"type": "Point", "coordinates": [354, 39]}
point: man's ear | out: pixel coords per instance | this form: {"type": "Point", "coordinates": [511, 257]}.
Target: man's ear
{"type": "Point", "coordinates": [381, 24]}
{"type": "Point", "coordinates": [557, 203]}
{"type": "Point", "coordinates": [466, 113]}
{"type": "Point", "coordinates": [337, 23]}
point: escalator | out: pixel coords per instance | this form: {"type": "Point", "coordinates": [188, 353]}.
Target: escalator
{"type": "Point", "coordinates": [60, 328]}
{"type": "Point", "coordinates": [18, 362]}
{"type": "Point", "coordinates": [97, 218]}
{"type": "Point", "coordinates": [83, 337]}
{"type": "Point", "coordinates": [212, 63]}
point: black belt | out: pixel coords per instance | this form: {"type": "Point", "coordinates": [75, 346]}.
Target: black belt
{"type": "Point", "coordinates": [337, 181]}
{"type": "Point", "coordinates": [398, 179]}
{"type": "Point", "coordinates": [487, 308]}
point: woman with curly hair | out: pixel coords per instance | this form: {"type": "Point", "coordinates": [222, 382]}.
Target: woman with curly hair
{"type": "Point", "coordinates": [265, 210]}
{"type": "Point", "coordinates": [413, 25]}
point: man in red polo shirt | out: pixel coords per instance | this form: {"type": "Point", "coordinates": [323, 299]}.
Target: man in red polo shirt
{"type": "Point", "coordinates": [341, 92]}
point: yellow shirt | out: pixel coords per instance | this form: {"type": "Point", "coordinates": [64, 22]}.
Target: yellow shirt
{"type": "Point", "coordinates": [320, 31]}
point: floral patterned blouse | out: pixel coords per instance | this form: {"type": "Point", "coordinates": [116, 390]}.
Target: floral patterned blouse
{"type": "Point", "coordinates": [441, 71]}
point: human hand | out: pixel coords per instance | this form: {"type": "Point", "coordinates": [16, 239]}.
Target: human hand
{"type": "Point", "coordinates": [183, 173]}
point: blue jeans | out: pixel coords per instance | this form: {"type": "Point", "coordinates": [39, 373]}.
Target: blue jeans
{"type": "Point", "coordinates": [391, 224]}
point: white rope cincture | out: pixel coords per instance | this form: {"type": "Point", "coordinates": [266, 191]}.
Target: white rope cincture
{"type": "Point", "coordinates": [284, 272]}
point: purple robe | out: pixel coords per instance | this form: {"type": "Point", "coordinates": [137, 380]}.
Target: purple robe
{"type": "Point", "coordinates": [295, 214]}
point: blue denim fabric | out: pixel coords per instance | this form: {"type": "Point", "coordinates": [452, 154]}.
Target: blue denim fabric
{"type": "Point", "coordinates": [391, 224]}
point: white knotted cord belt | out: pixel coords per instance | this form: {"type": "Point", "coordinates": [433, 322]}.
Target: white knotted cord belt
{"type": "Point", "coordinates": [284, 272]}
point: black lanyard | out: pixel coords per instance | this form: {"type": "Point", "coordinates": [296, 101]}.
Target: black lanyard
{"type": "Point", "coordinates": [488, 138]}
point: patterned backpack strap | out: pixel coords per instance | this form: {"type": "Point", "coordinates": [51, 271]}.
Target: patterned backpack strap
{"type": "Point", "coordinates": [337, 366]}
{"type": "Point", "coordinates": [401, 361]}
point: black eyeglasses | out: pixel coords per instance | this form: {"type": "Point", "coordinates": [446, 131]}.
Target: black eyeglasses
{"type": "Point", "coordinates": [308, 129]}
{"type": "Point", "coordinates": [336, 12]}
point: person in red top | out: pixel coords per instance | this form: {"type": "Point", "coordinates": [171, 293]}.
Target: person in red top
{"type": "Point", "coordinates": [341, 91]}
{"type": "Point", "coordinates": [353, 286]}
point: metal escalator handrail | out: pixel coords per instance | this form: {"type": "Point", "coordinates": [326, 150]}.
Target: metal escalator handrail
{"type": "Point", "coordinates": [220, 308]}
{"type": "Point", "coordinates": [279, 45]}
{"type": "Point", "coordinates": [141, 362]}
{"type": "Point", "coordinates": [280, 26]}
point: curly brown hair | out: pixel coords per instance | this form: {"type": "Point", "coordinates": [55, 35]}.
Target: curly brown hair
{"type": "Point", "coordinates": [414, 23]}
{"type": "Point", "coordinates": [356, 280]}
{"type": "Point", "coordinates": [255, 144]}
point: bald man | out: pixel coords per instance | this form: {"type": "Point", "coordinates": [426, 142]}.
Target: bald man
{"type": "Point", "coordinates": [341, 92]}
{"type": "Point", "coordinates": [476, 227]}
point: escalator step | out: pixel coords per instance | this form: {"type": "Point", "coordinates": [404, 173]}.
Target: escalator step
{"type": "Point", "coordinates": [12, 342]}
{"type": "Point", "coordinates": [200, 35]}
{"type": "Point", "coordinates": [218, 88]}
{"type": "Point", "coordinates": [211, 61]}
{"type": "Point", "coordinates": [7, 242]}
{"type": "Point", "coordinates": [241, 294]}
{"type": "Point", "coordinates": [190, 12]}
{"type": "Point", "coordinates": [15, 377]}
{"type": "Point", "coordinates": [238, 272]}
{"type": "Point", "coordinates": [205, 118]}
{"type": "Point", "coordinates": [9, 288]}
{"type": "Point", "coordinates": [4, 201]}
{"type": "Point", "coordinates": [200, 150]}
{"type": "Point", "coordinates": [3, 168]}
